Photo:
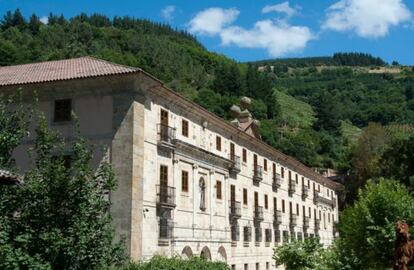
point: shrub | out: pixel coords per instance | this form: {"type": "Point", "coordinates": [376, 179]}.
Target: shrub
{"type": "Point", "coordinates": [175, 263]}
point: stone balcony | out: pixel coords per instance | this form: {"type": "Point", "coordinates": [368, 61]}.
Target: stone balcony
{"type": "Point", "coordinates": [257, 173]}
{"type": "Point", "coordinates": [277, 181]}
{"type": "Point", "coordinates": [292, 186]}
{"type": "Point", "coordinates": [277, 215]}
{"type": "Point", "coordinates": [166, 136]}
{"type": "Point", "coordinates": [258, 214]}
{"type": "Point", "coordinates": [235, 210]}
{"type": "Point", "coordinates": [318, 198]}
{"type": "Point", "coordinates": [305, 192]}
{"type": "Point", "coordinates": [166, 197]}
{"type": "Point", "coordinates": [235, 163]}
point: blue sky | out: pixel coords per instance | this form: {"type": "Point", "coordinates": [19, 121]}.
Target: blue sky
{"type": "Point", "coordinates": [253, 30]}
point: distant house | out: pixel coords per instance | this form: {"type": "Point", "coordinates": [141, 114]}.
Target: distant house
{"type": "Point", "coordinates": [8, 178]}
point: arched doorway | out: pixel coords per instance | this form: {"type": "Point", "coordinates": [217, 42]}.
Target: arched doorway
{"type": "Point", "coordinates": [205, 253]}
{"type": "Point", "coordinates": [187, 253]}
{"type": "Point", "coordinates": [222, 255]}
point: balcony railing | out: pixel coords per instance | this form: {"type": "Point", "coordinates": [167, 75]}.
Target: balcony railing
{"type": "Point", "coordinates": [166, 196]}
{"type": "Point", "coordinates": [277, 181]}
{"type": "Point", "coordinates": [306, 222]}
{"type": "Point", "coordinates": [258, 213]}
{"type": "Point", "coordinates": [305, 192]}
{"type": "Point", "coordinates": [277, 217]}
{"type": "Point", "coordinates": [317, 198]}
{"type": "Point", "coordinates": [235, 163]}
{"type": "Point", "coordinates": [166, 135]}
{"type": "Point", "coordinates": [292, 186]}
{"type": "Point", "coordinates": [235, 209]}
{"type": "Point", "coordinates": [257, 173]}
{"type": "Point", "coordinates": [293, 220]}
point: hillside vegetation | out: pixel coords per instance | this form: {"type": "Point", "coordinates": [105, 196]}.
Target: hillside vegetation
{"type": "Point", "coordinates": [302, 103]}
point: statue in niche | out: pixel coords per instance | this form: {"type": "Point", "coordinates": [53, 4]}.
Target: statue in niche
{"type": "Point", "coordinates": [202, 185]}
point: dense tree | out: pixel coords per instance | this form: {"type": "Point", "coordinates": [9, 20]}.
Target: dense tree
{"type": "Point", "coordinates": [397, 161]}
{"type": "Point", "coordinates": [367, 228]}
{"type": "Point", "coordinates": [63, 219]}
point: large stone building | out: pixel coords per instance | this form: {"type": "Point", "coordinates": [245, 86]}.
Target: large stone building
{"type": "Point", "coordinates": [189, 182]}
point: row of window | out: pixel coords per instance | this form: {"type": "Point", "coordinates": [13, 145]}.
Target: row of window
{"type": "Point", "coordinates": [185, 133]}
{"type": "Point", "coordinates": [279, 236]}
{"type": "Point", "coordinates": [246, 266]}
{"type": "Point", "coordinates": [219, 196]}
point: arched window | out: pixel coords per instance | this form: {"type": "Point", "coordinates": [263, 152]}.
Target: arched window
{"type": "Point", "coordinates": [205, 253]}
{"type": "Point", "coordinates": [187, 253]}
{"type": "Point", "coordinates": [222, 255]}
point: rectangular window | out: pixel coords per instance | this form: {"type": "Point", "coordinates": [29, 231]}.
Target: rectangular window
{"type": "Point", "coordinates": [244, 196]}
{"type": "Point", "coordinates": [282, 172]}
{"type": "Point", "coordinates": [274, 168]}
{"type": "Point", "coordinates": [163, 176]}
{"type": "Point", "coordinates": [310, 213]}
{"type": "Point", "coordinates": [218, 143]}
{"type": "Point", "coordinates": [257, 266]}
{"type": "Point", "coordinates": [265, 165]}
{"type": "Point", "coordinates": [308, 183]}
{"type": "Point", "coordinates": [267, 265]}
{"type": "Point", "coordinates": [329, 218]}
{"type": "Point", "coordinates": [265, 202]}
{"type": "Point", "coordinates": [63, 110]}
{"type": "Point", "coordinates": [218, 189]}
{"type": "Point", "coordinates": [296, 179]}
{"type": "Point", "coordinates": [283, 206]}
{"type": "Point", "coordinates": [184, 128]}
{"type": "Point", "coordinates": [275, 204]}
{"type": "Point", "coordinates": [246, 266]}
{"type": "Point", "coordinates": [184, 181]}
{"type": "Point", "coordinates": [233, 267]}
{"type": "Point", "coordinates": [244, 155]}
{"type": "Point", "coordinates": [256, 199]}
{"type": "Point", "coordinates": [290, 175]}
{"type": "Point", "coordinates": [297, 209]}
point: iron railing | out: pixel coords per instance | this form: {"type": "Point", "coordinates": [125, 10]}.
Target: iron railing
{"type": "Point", "coordinates": [235, 163]}
{"type": "Point", "coordinates": [235, 209]}
{"type": "Point", "coordinates": [166, 134]}
{"type": "Point", "coordinates": [257, 173]}
{"type": "Point", "coordinates": [166, 196]}
{"type": "Point", "coordinates": [258, 213]}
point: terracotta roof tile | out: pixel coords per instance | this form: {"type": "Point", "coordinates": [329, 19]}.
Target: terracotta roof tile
{"type": "Point", "coordinates": [76, 68]}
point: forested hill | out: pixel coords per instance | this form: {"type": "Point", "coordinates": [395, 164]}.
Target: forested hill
{"type": "Point", "coordinates": [313, 112]}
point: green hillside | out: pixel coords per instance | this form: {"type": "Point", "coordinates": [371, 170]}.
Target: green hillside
{"type": "Point", "coordinates": [302, 118]}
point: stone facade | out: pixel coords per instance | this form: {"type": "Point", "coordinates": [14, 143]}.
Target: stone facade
{"type": "Point", "coordinates": [189, 183]}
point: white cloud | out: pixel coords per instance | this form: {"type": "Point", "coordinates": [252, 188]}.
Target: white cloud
{"type": "Point", "coordinates": [168, 12]}
{"type": "Point", "coordinates": [367, 18]}
{"type": "Point", "coordinates": [211, 21]}
{"type": "Point", "coordinates": [277, 37]}
{"type": "Point", "coordinates": [44, 19]}
{"type": "Point", "coordinates": [281, 8]}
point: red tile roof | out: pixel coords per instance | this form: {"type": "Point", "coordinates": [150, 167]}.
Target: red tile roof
{"type": "Point", "coordinates": [76, 68]}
